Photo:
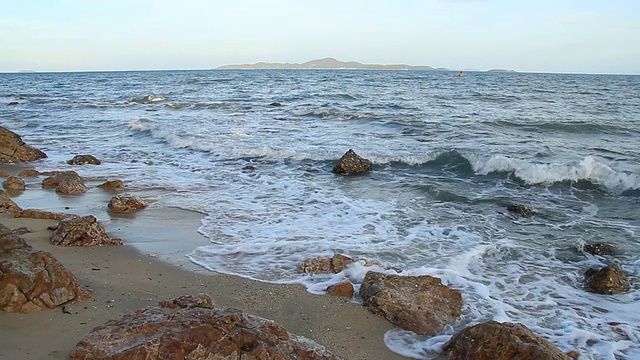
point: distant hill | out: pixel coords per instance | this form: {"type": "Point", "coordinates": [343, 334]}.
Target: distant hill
{"type": "Point", "coordinates": [327, 63]}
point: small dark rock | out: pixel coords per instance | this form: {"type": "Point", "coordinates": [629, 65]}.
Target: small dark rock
{"type": "Point", "coordinates": [13, 103]}
{"type": "Point", "coordinates": [351, 163]}
{"type": "Point", "coordinates": [83, 159]}
{"type": "Point", "coordinates": [521, 210]}
{"type": "Point", "coordinates": [600, 249]}
{"type": "Point", "coordinates": [249, 168]}
{"type": "Point", "coordinates": [275, 104]}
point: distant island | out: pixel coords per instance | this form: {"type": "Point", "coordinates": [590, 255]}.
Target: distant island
{"type": "Point", "coordinates": [327, 63]}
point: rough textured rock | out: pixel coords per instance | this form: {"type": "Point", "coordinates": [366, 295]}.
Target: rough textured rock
{"type": "Point", "coordinates": [194, 333]}
{"type": "Point", "coordinates": [608, 280]}
{"type": "Point", "coordinates": [42, 214]}
{"type": "Point", "coordinates": [325, 265]}
{"type": "Point", "coordinates": [189, 301]}
{"type": "Point", "coordinates": [13, 149]}
{"type": "Point", "coordinates": [14, 183]}
{"type": "Point", "coordinates": [32, 280]}
{"type": "Point", "coordinates": [83, 159]}
{"type": "Point", "coordinates": [126, 203]}
{"type": "Point", "coordinates": [500, 341]}
{"type": "Point", "coordinates": [600, 249]}
{"type": "Point", "coordinates": [82, 231]}
{"type": "Point", "coordinates": [421, 304]}
{"type": "Point", "coordinates": [342, 289]}
{"type": "Point", "coordinates": [521, 210]}
{"type": "Point", "coordinates": [68, 182]}
{"type": "Point", "coordinates": [29, 173]}
{"type": "Point", "coordinates": [7, 205]}
{"type": "Point", "coordinates": [351, 163]}
{"type": "Point", "coordinates": [113, 185]}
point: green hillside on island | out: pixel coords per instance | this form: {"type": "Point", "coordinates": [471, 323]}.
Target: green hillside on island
{"type": "Point", "coordinates": [327, 63]}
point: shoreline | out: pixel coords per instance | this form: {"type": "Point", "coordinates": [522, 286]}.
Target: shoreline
{"type": "Point", "coordinates": [126, 278]}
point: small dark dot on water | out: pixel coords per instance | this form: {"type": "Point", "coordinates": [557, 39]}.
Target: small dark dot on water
{"type": "Point", "coordinates": [66, 207]}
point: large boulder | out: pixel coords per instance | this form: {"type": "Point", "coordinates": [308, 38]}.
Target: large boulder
{"type": "Point", "coordinates": [421, 304]}
{"type": "Point", "coordinates": [82, 231]}
{"type": "Point", "coordinates": [608, 280]}
{"type": "Point", "coordinates": [7, 205]}
{"type": "Point", "coordinates": [194, 333]}
{"type": "Point", "coordinates": [500, 341]}
{"type": "Point", "coordinates": [13, 149]}
{"type": "Point", "coordinates": [67, 182]}
{"type": "Point", "coordinates": [83, 159]}
{"type": "Point", "coordinates": [13, 183]}
{"type": "Point", "coordinates": [126, 203]}
{"type": "Point", "coordinates": [351, 163]}
{"type": "Point", "coordinates": [32, 280]}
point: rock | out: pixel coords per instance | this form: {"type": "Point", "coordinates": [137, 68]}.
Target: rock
{"type": "Point", "coordinates": [32, 280]}
{"type": "Point", "coordinates": [351, 163]}
{"type": "Point", "coordinates": [7, 205]}
{"type": "Point", "coordinates": [325, 265]}
{"type": "Point", "coordinates": [113, 185]}
{"type": "Point", "coordinates": [126, 203]}
{"type": "Point", "coordinates": [521, 210]}
{"type": "Point", "coordinates": [29, 173]}
{"type": "Point", "coordinates": [42, 214]}
{"type": "Point", "coordinates": [249, 168]}
{"type": "Point", "coordinates": [3, 173]}
{"type": "Point", "coordinates": [13, 149]}
{"type": "Point", "coordinates": [573, 355]}
{"type": "Point", "coordinates": [83, 159]}
{"type": "Point", "coordinates": [189, 301]}
{"type": "Point", "coordinates": [195, 333]}
{"type": "Point", "coordinates": [276, 104]}
{"type": "Point", "coordinates": [600, 249]}
{"type": "Point", "coordinates": [21, 231]}
{"type": "Point", "coordinates": [608, 280]}
{"type": "Point", "coordinates": [341, 289]}
{"type": "Point", "coordinates": [67, 182]}
{"type": "Point", "coordinates": [11, 103]}
{"type": "Point", "coordinates": [500, 341]}
{"type": "Point", "coordinates": [82, 231]}
{"type": "Point", "coordinates": [421, 304]}
{"type": "Point", "coordinates": [13, 183]}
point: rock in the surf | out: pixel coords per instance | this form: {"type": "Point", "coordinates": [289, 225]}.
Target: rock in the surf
{"type": "Point", "coordinates": [13, 149]}
{"type": "Point", "coordinates": [351, 164]}
{"type": "Point", "coordinates": [521, 210]}
{"type": "Point", "coordinates": [493, 340]}
{"type": "Point", "coordinates": [421, 304]}
{"type": "Point", "coordinates": [13, 183]}
{"type": "Point", "coordinates": [325, 265]}
{"type": "Point", "coordinates": [344, 288]}
{"type": "Point", "coordinates": [126, 203]}
{"type": "Point", "coordinates": [112, 185]}
{"type": "Point", "coordinates": [600, 249]}
{"type": "Point", "coordinates": [84, 159]}
{"type": "Point", "coordinates": [608, 280]}
{"type": "Point", "coordinates": [67, 182]}
{"type": "Point", "coordinates": [82, 231]}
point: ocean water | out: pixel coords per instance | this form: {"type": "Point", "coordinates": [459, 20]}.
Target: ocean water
{"type": "Point", "coordinates": [449, 153]}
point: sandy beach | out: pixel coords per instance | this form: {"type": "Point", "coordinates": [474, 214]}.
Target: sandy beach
{"type": "Point", "coordinates": [151, 267]}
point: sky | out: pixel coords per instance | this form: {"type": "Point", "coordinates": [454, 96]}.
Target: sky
{"type": "Point", "coordinates": [567, 36]}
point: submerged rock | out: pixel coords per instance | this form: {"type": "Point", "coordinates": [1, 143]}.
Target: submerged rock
{"type": "Point", "coordinates": [521, 210]}
{"type": "Point", "coordinates": [82, 231]}
{"type": "Point", "coordinates": [608, 280]}
{"type": "Point", "coordinates": [600, 249]}
{"type": "Point", "coordinates": [84, 159]}
{"type": "Point", "coordinates": [126, 203]}
{"type": "Point", "coordinates": [421, 304]}
{"type": "Point", "coordinates": [351, 164]}
{"type": "Point", "coordinates": [29, 173]}
{"type": "Point", "coordinates": [13, 149]}
{"type": "Point", "coordinates": [500, 341]}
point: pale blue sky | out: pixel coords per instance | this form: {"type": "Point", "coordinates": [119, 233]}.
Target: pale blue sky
{"type": "Point", "coordinates": [581, 36]}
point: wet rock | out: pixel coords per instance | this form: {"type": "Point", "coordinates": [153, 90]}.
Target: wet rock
{"type": "Point", "coordinates": [325, 265]}
{"type": "Point", "coordinates": [32, 280]}
{"type": "Point", "coordinates": [29, 173]}
{"type": "Point", "coordinates": [13, 183]}
{"type": "Point", "coordinates": [421, 304]}
{"type": "Point", "coordinates": [342, 289]}
{"type": "Point", "coordinates": [7, 205]}
{"type": "Point", "coordinates": [42, 214]}
{"type": "Point", "coordinates": [113, 185]}
{"type": "Point", "coordinates": [249, 168]}
{"type": "Point", "coordinates": [500, 341]}
{"type": "Point", "coordinates": [82, 231]}
{"type": "Point", "coordinates": [189, 301]}
{"type": "Point", "coordinates": [608, 280]}
{"type": "Point", "coordinates": [276, 104]}
{"type": "Point", "coordinates": [3, 174]}
{"type": "Point", "coordinates": [600, 249]}
{"type": "Point", "coordinates": [126, 203]}
{"type": "Point", "coordinates": [351, 163]}
{"type": "Point", "coordinates": [521, 210]}
{"type": "Point", "coordinates": [83, 159]}
{"type": "Point", "coordinates": [13, 149]}
{"type": "Point", "coordinates": [194, 333]}
{"type": "Point", "coordinates": [11, 103]}
{"type": "Point", "coordinates": [67, 182]}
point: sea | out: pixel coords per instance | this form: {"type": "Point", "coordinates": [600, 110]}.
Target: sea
{"type": "Point", "coordinates": [449, 154]}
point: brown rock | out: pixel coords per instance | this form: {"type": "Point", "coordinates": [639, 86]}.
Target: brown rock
{"type": "Point", "coordinates": [189, 301]}
{"type": "Point", "coordinates": [29, 173]}
{"type": "Point", "coordinates": [500, 341]}
{"type": "Point", "coordinates": [3, 173]}
{"type": "Point", "coordinates": [194, 333]}
{"type": "Point", "coordinates": [126, 203]}
{"type": "Point", "coordinates": [7, 205]}
{"type": "Point", "coordinates": [82, 231]}
{"type": "Point", "coordinates": [600, 249]}
{"type": "Point", "coordinates": [32, 280]}
{"type": "Point", "coordinates": [351, 163]}
{"type": "Point", "coordinates": [608, 280]}
{"type": "Point", "coordinates": [324, 265]}
{"type": "Point", "coordinates": [67, 182]}
{"type": "Point", "coordinates": [13, 149]}
{"type": "Point", "coordinates": [421, 304]}
{"type": "Point", "coordinates": [113, 185]}
{"type": "Point", "coordinates": [341, 289]}
{"type": "Point", "coordinates": [42, 214]}
{"type": "Point", "coordinates": [83, 159]}
{"type": "Point", "coordinates": [573, 354]}
{"type": "Point", "coordinates": [13, 183]}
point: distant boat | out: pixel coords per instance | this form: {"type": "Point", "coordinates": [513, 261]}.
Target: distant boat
{"type": "Point", "coordinates": [461, 73]}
